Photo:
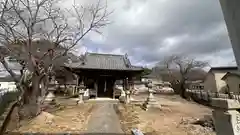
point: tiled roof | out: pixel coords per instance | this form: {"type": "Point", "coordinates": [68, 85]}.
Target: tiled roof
{"type": "Point", "coordinates": [104, 61]}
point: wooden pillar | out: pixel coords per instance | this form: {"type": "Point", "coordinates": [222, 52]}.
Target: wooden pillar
{"type": "Point", "coordinates": [113, 92]}
{"type": "Point", "coordinates": [105, 85]}
{"type": "Point", "coordinates": [96, 87]}
{"type": "Point", "coordinates": [78, 80]}
{"type": "Point", "coordinates": [124, 84]}
{"type": "Point", "coordinates": [114, 88]}
{"type": "Point", "coordinates": [77, 84]}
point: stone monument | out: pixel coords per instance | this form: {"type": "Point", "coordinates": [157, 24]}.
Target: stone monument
{"type": "Point", "coordinates": [150, 101]}
{"type": "Point", "coordinates": [226, 116]}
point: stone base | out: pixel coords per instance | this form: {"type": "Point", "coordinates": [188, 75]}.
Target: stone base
{"type": "Point", "coordinates": [50, 98]}
{"type": "Point", "coordinates": [86, 97]}
{"type": "Point", "coordinates": [150, 103]}
{"type": "Point", "coordinates": [80, 101]}
{"type": "Point", "coordinates": [50, 101]}
{"type": "Point", "coordinates": [81, 98]}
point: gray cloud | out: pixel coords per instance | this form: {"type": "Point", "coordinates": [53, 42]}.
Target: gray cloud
{"type": "Point", "coordinates": [149, 30]}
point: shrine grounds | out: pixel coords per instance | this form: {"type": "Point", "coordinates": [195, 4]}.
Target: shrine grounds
{"type": "Point", "coordinates": [175, 117]}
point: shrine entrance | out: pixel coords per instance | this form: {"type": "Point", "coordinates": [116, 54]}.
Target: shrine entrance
{"type": "Point", "coordinates": [106, 86]}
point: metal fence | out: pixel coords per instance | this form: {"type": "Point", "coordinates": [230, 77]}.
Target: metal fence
{"type": "Point", "coordinates": [207, 96]}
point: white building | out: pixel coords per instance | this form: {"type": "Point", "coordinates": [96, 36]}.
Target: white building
{"type": "Point", "coordinates": [213, 81]}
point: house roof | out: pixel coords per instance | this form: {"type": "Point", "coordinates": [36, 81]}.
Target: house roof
{"type": "Point", "coordinates": [223, 68]}
{"type": "Point", "coordinates": [104, 61]}
{"type": "Point", "coordinates": [230, 74]}
{"type": "Point", "coordinates": [155, 73]}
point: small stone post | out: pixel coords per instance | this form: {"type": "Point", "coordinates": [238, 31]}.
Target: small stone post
{"type": "Point", "coordinates": [226, 116]}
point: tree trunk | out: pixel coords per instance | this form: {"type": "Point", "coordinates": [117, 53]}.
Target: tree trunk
{"type": "Point", "coordinates": [176, 86]}
{"type": "Point", "coordinates": [32, 107]}
{"type": "Point", "coordinates": [182, 90]}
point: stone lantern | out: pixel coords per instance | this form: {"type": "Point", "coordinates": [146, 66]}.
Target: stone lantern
{"type": "Point", "coordinates": [81, 89]}
{"type": "Point", "coordinates": [52, 88]}
{"type": "Point", "coordinates": [150, 101]}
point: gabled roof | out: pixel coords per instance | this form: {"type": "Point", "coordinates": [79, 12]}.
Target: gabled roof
{"type": "Point", "coordinates": [230, 74]}
{"type": "Point", "coordinates": [104, 61]}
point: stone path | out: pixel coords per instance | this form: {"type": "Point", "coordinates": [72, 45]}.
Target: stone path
{"type": "Point", "coordinates": [104, 120]}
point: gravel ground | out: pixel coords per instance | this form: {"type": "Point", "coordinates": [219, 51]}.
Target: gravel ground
{"type": "Point", "coordinates": [68, 118]}
{"type": "Point", "coordinates": [176, 117]}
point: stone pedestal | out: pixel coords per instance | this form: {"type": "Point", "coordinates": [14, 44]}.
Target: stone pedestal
{"type": "Point", "coordinates": [150, 101]}
{"type": "Point", "coordinates": [80, 99]}
{"type": "Point", "coordinates": [226, 116]}
{"type": "Point", "coordinates": [122, 96]}
{"type": "Point", "coordinates": [50, 98]}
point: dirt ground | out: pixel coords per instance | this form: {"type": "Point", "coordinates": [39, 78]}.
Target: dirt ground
{"type": "Point", "coordinates": [176, 117]}
{"type": "Point", "coordinates": [66, 117]}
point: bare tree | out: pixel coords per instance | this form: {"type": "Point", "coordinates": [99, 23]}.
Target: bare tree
{"type": "Point", "coordinates": [25, 23]}
{"type": "Point", "coordinates": [178, 68]}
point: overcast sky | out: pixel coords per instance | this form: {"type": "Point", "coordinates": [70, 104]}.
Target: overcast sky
{"type": "Point", "coordinates": [149, 30]}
